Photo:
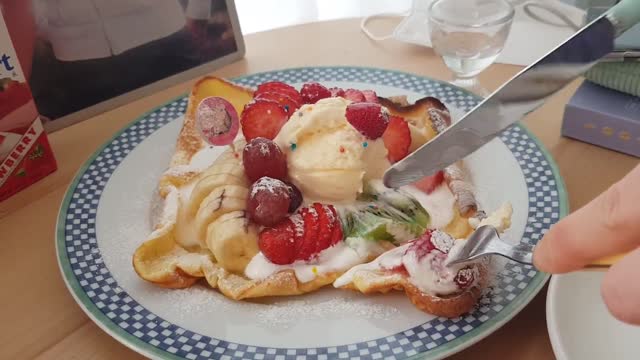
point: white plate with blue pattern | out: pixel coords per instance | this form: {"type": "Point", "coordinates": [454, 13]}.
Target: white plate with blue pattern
{"type": "Point", "coordinates": [104, 217]}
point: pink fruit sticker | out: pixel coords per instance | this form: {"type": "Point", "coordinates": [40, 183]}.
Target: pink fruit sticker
{"type": "Point", "coordinates": [217, 121]}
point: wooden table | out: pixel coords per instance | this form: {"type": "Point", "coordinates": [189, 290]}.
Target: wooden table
{"type": "Point", "coordinates": [40, 318]}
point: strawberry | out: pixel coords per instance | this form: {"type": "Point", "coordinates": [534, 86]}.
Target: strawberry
{"type": "Point", "coordinates": [262, 118]}
{"type": "Point", "coordinates": [429, 183]}
{"type": "Point", "coordinates": [307, 247]}
{"type": "Point", "coordinates": [399, 269]}
{"type": "Point", "coordinates": [336, 234]}
{"type": "Point", "coordinates": [354, 95]}
{"type": "Point", "coordinates": [326, 222]}
{"type": "Point", "coordinates": [287, 103]}
{"type": "Point", "coordinates": [277, 243]}
{"type": "Point", "coordinates": [370, 96]}
{"type": "Point", "coordinates": [397, 139]}
{"type": "Point", "coordinates": [336, 92]}
{"type": "Point", "coordinates": [312, 92]}
{"type": "Point", "coordinates": [281, 88]}
{"type": "Point", "coordinates": [368, 118]}
{"type": "Point", "coordinates": [302, 236]}
{"type": "Point", "coordinates": [422, 245]}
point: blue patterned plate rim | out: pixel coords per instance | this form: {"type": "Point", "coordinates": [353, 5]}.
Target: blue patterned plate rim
{"type": "Point", "coordinates": [459, 343]}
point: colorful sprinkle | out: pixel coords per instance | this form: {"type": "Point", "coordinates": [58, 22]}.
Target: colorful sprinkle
{"type": "Point", "coordinates": [342, 149]}
{"type": "Point", "coordinates": [314, 270]}
{"type": "Point", "coordinates": [294, 146]}
{"type": "Point", "coordinates": [365, 144]}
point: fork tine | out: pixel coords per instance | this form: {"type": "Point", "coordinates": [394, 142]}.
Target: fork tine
{"type": "Point", "coordinates": [475, 246]}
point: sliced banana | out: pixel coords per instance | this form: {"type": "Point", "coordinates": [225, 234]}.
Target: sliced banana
{"type": "Point", "coordinates": [221, 200]}
{"type": "Point", "coordinates": [232, 166]}
{"type": "Point", "coordinates": [207, 184]}
{"type": "Point", "coordinates": [233, 240]}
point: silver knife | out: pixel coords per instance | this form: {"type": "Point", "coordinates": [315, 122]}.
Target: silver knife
{"type": "Point", "coordinates": [524, 93]}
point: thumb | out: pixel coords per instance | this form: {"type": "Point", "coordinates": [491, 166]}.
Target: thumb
{"type": "Point", "coordinates": [621, 289]}
{"type": "Point", "coordinates": [608, 225]}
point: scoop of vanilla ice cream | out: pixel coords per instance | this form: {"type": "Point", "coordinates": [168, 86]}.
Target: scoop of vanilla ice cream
{"type": "Point", "coordinates": [327, 158]}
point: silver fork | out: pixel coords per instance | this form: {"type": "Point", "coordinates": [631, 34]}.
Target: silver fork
{"type": "Point", "coordinates": [485, 241]}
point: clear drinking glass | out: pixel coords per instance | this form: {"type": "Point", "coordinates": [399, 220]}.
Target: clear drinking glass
{"type": "Point", "coordinates": [469, 35]}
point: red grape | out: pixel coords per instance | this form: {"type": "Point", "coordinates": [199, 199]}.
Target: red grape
{"type": "Point", "coordinates": [296, 197]}
{"type": "Point", "coordinates": [262, 157]}
{"type": "Point", "coordinates": [268, 202]}
{"type": "Point", "coordinates": [465, 277]}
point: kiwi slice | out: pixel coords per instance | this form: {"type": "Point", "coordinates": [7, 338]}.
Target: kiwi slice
{"type": "Point", "coordinates": [384, 214]}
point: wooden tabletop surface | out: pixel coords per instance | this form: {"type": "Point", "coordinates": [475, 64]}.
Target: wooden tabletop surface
{"type": "Point", "coordinates": [40, 318]}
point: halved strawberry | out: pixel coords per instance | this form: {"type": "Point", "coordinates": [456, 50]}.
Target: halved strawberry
{"type": "Point", "coordinates": [368, 118]}
{"type": "Point", "coordinates": [336, 234]}
{"type": "Point", "coordinates": [325, 226]}
{"type": "Point", "coordinates": [262, 118]}
{"type": "Point", "coordinates": [429, 183]}
{"type": "Point", "coordinates": [279, 87]}
{"type": "Point", "coordinates": [278, 243]}
{"type": "Point", "coordinates": [312, 92]}
{"type": "Point", "coordinates": [354, 95]}
{"type": "Point", "coordinates": [397, 139]}
{"type": "Point", "coordinates": [370, 96]}
{"type": "Point", "coordinates": [289, 105]}
{"type": "Point", "coordinates": [307, 245]}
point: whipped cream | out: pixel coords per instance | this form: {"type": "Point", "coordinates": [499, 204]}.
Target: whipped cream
{"type": "Point", "coordinates": [427, 273]}
{"type": "Point", "coordinates": [389, 260]}
{"type": "Point", "coordinates": [439, 204]}
{"type": "Point", "coordinates": [337, 258]}
{"type": "Point", "coordinates": [186, 233]}
{"type": "Point", "coordinates": [200, 161]}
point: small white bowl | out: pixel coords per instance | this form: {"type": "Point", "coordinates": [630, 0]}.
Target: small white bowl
{"type": "Point", "coordinates": [579, 324]}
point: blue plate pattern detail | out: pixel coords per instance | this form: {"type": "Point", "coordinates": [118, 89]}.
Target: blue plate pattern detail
{"type": "Point", "coordinates": [115, 311]}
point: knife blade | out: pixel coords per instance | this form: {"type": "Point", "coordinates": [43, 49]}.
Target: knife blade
{"type": "Point", "coordinates": [524, 93]}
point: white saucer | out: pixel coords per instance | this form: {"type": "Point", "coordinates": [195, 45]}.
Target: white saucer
{"type": "Point", "coordinates": [580, 327]}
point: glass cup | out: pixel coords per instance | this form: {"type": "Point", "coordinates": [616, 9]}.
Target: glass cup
{"type": "Point", "coordinates": [469, 35]}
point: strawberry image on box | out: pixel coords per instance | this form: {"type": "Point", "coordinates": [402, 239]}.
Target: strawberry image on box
{"type": "Point", "coordinates": [25, 154]}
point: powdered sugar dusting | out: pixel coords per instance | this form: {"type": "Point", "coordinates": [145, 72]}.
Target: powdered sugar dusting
{"type": "Point", "coordinates": [331, 218]}
{"type": "Point", "coordinates": [213, 120]}
{"type": "Point", "coordinates": [298, 224]}
{"type": "Point", "coordinates": [156, 210]}
{"type": "Point", "coordinates": [442, 241]}
{"type": "Point", "coordinates": [263, 147]}
{"type": "Point", "coordinates": [440, 119]}
{"type": "Point", "coordinates": [267, 184]}
{"type": "Point", "coordinates": [283, 315]}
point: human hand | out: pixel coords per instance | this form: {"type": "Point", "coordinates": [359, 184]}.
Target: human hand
{"type": "Point", "coordinates": [608, 225]}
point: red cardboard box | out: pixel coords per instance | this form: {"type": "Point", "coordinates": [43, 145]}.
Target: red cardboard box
{"type": "Point", "coordinates": [25, 154]}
